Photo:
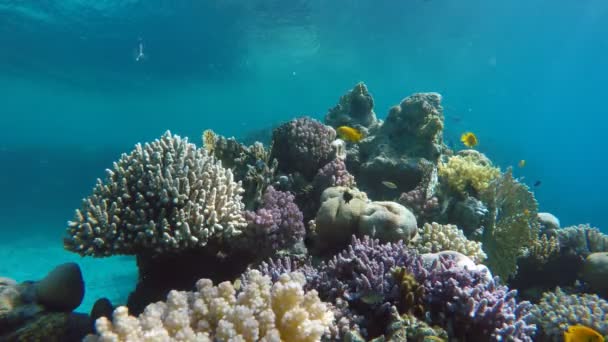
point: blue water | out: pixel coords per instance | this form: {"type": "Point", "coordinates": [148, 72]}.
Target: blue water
{"type": "Point", "coordinates": [527, 76]}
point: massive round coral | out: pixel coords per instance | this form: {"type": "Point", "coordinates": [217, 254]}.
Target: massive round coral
{"type": "Point", "coordinates": [166, 195]}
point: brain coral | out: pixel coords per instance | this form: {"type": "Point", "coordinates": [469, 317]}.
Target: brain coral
{"type": "Point", "coordinates": [258, 311]}
{"type": "Point", "coordinates": [164, 196]}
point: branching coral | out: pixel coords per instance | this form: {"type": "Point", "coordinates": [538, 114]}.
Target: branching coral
{"type": "Point", "coordinates": [251, 164]}
{"type": "Point", "coordinates": [474, 308]}
{"type": "Point", "coordinates": [544, 248]}
{"type": "Point", "coordinates": [582, 240]}
{"type": "Point", "coordinates": [277, 224]}
{"type": "Point", "coordinates": [558, 310]}
{"type": "Point", "coordinates": [466, 172]}
{"type": "Point", "coordinates": [303, 145]}
{"type": "Point", "coordinates": [164, 196]}
{"type": "Point", "coordinates": [512, 224]}
{"type": "Point", "coordinates": [332, 174]}
{"type": "Point", "coordinates": [435, 237]}
{"type": "Point", "coordinates": [257, 311]}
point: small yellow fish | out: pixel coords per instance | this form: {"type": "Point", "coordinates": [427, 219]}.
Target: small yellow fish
{"type": "Point", "coordinates": [522, 163]}
{"type": "Point", "coordinates": [469, 139]}
{"type": "Point", "coordinates": [526, 212]}
{"type": "Point", "coordinates": [350, 134]}
{"type": "Point", "coordinates": [389, 185]}
{"type": "Point", "coordinates": [581, 333]}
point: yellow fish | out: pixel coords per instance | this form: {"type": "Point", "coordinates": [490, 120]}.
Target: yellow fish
{"type": "Point", "coordinates": [350, 134]}
{"type": "Point", "coordinates": [581, 333]}
{"type": "Point", "coordinates": [469, 139]}
{"type": "Point", "coordinates": [389, 185]}
{"type": "Point", "coordinates": [521, 163]}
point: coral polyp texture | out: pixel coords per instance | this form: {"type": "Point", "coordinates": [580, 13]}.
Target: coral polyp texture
{"type": "Point", "coordinates": [355, 108]}
{"type": "Point", "coordinates": [435, 237]}
{"type": "Point", "coordinates": [465, 172]}
{"type": "Point", "coordinates": [303, 145]}
{"type": "Point", "coordinates": [559, 310]}
{"type": "Point", "coordinates": [260, 310]}
{"type": "Point", "coordinates": [277, 224]}
{"type": "Point", "coordinates": [473, 307]}
{"type": "Point", "coordinates": [167, 195]}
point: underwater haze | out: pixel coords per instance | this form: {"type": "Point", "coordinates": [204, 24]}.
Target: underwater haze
{"type": "Point", "coordinates": [82, 81]}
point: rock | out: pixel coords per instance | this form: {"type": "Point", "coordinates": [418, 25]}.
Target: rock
{"type": "Point", "coordinates": [595, 272]}
{"type": "Point", "coordinates": [388, 221]}
{"type": "Point", "coordinates": [548, 221]}
{"type": "Point", "coordinates": [62, 289]}
{"type": "Point", "coordinates": [338, 218]}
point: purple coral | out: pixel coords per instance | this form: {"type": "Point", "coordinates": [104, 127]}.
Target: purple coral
{"type": "Point", "coordinates": [333, 173]}
{"type": "Point", "coordinates": [302, 145]}
{"type": "Point", "coordinates": [424, 208]}
{"type": "Point", "coordinates": [277, 224]}
{"type": "Point", "coordinates": [474, 308]}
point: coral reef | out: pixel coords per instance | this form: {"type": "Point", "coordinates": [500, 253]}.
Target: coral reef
{"type": "Point", "coordinates": [595, 272]}
{"type": "Point", "coordinates": [404, 150]}
{"type": "Point", "coordinates": [558, 310]}
{"type": "Point", "coordinates": [511, 226]}
{"type": "Point", "coordinates": [387, 221]}
{"type": "Point", "coordinates": [473, 307]}
{"type": "Point", "coordinates": [425, 208]}
{"type": "Point", "coordinates": [338, 218]}
{"type": "Point", "coordinates": [467, 213]}
{"type": "Point", "coordinates": [355, 109]}
{"type": "Point", "coordinates": [468, 173]}
{"type": "Point", "coordinates": [257, 311]}
{"type": "Point", "coordinates": [544, 248]}
{"type": "Point", "coordinates": [276, 225]}
{"type": "Point", "coordinates": [548, 222]}
{"type": "Point", "coordinates": [435, 237]}
{"type": "Point", "coordinates": [303, 145]}
{"type": "Point", "coordinates": [333, 174]}
{"type": "Point", "coordinates": [250, 164]}
{"type": "Point", "coordinates": [164, 196]}
{"type": "Point", "coordinates": [582, 240]}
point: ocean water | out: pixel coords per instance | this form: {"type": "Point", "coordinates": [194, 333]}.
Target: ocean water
{"type": "Point", "coordinates": [527, 76]}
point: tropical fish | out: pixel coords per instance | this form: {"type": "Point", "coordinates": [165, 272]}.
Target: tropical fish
{"type": "Point", "coordinates": [389, 185]}
{"type": "Point", "coordinates": [522, 163]}
{"type": "Point", "coordinates": [537, 183]}
{"type": "Point", "coordinates": [469, 139]}
{"type": "Point", "coordinates": [372, 298]}
{"type": "Point", "coordinates": [350, 134]}
{"type": "Point", "coordinates": [581, 333]}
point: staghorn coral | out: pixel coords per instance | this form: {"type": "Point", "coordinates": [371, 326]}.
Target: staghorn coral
{"type": "Point", "coordinates": [582, 240]}
{"type": "Point", "coordinates": [558, 310]}
{"type": "Point", "coordinates": [258, 311]}
{"type": "Point", "coordinates": [303, 145]}
{"type": "Point", "coordinates": [435, 237]}
{"type": "Point", "coordinates": [512, 224]}
{"type": "Point", "coordinates": [276, 225]}
{"type": "Point", "coordinates": [466, 172]}
{"type": "Point", "coordinates": [164, 196]}
{"type": "Point", "coordinates": [473, 307]}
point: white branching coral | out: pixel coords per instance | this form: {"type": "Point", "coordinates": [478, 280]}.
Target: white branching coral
{"type": "Point", "coordinates": [167, 195]}
{"type": "Point", "coordinates": [259, 311]}
{"type": "Point", "coordinates": [435, 237]}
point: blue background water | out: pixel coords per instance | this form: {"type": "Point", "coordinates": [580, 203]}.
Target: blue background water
{"type": "Point", "coordinates": [527, 76]}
